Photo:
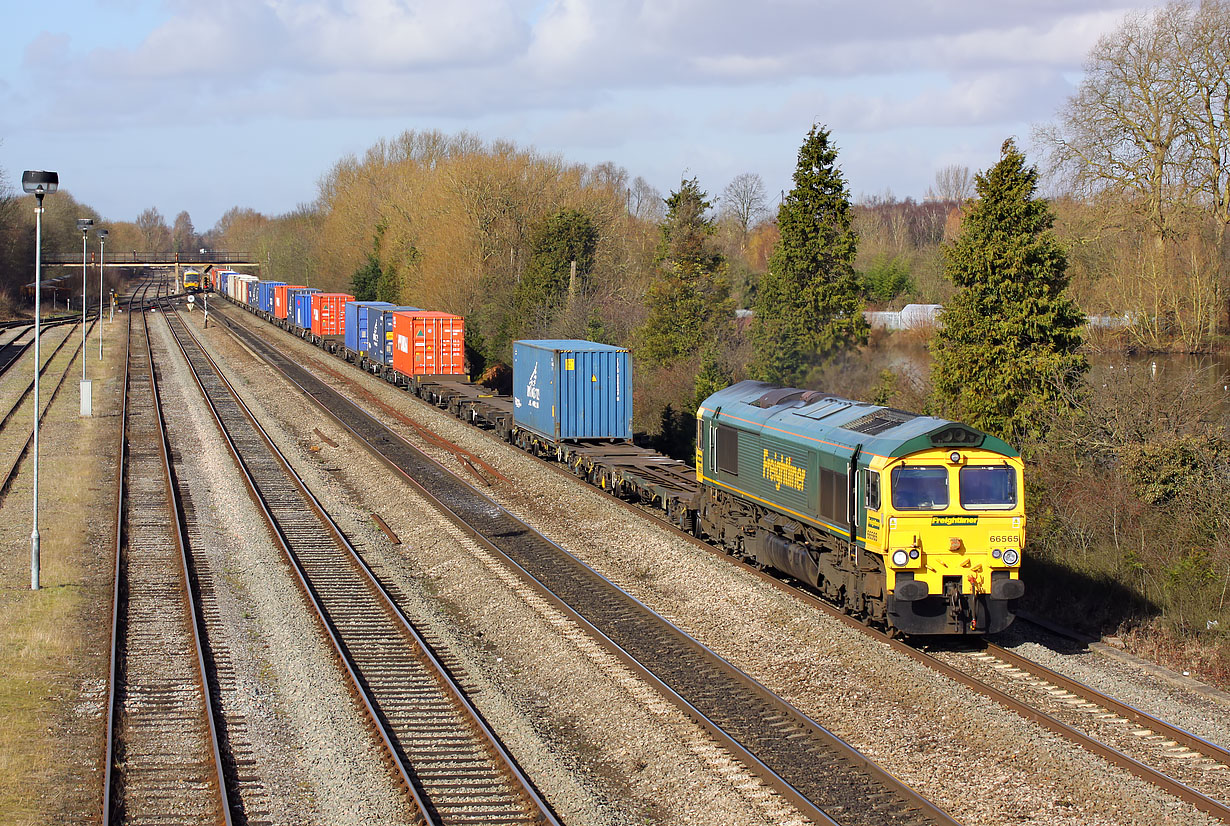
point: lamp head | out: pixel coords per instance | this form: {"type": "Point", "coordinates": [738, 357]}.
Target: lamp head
{"type": "Point", "coordinates": [102, 234]}
{"type": "Point", "coordinates": [39, 182]}
{"type": "Point", "coordinates": [84, 224]}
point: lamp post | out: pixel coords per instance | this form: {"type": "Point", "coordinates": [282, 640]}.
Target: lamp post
{"type": "Point", "coordinates": [102, 248]}
{"type": "Point", "coordinates": [38, 183]}
{"type": "Point", "coordinates": [87, 390]}
{"type": "Point", "coordinates": [84, 225]}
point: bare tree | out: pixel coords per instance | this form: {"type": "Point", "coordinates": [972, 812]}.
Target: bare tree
{"type": "Point", "coordinates": [155, 235]}
{"type": "Point", "coordinates": [744, 199]}
{"type": "Point", "coordinates": [1201, 40]}
{"type": "Point", "coordinates": [645, 202]}
{"type": "Point", "coordinates": [183, 235]}
{"type": "Point", "coordinates": [952, 183]}
{"type": "Point", "coordinates": [11, 234]}
{"type": "Point", "coordinates": [1150, 127]}
{"type": "Point", "coordinates": [1122, 131]}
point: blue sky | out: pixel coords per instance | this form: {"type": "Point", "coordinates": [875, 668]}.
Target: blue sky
{"type": "Point", "coordinates": [202, 105]}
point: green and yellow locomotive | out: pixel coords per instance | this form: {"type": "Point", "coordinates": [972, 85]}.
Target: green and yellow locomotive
{"type": "Point", "coordinates": [911, 521]}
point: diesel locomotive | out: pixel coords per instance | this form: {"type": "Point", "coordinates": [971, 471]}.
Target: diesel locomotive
{"type": "Point", "coordinates": [913, 522]}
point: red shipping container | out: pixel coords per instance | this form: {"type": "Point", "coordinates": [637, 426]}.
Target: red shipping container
{"type": "Point", "coordinates": [329, 313]}
{"type": "Point", "coordinates": [427, 343]}
{"type": "Point", "coordinates": [279, 298]}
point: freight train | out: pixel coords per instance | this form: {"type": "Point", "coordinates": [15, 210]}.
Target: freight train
{"type": "Point", "coordinates": [910, 522]}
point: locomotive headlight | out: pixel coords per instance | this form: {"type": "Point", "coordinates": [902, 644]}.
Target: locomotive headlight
{"type": "Point", "coordinates": [954, 457]}
{"type": "Point", "coordinates": [914, 554]}
{"type": "Point", "coordinates": [1011, 557]}
{"type": "Point", "coordinates": [996, 553]}
{"type": "Point", "coordinates": [900, 558]}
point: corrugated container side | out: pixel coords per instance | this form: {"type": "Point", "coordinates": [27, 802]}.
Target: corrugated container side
{"type": "Point", "coordinates": [266, 294]}
{"type": "Point", "coordinates": [427, 343]}
{"type": "Point", "coordinates": [281, 308]}
{"type": "Point", "coordinates": [239, 287]}
{"type": "Point", "coordinates": [292, 299]}
{"type": "Point", "coordinates": [570, 389]}
{"type": "Point", "coordinates": [303, 308]}
{"type": "Point", "coordinates": [358, 323]}
{"type": "Point", "coordinates": [381, 342]}
{"type": "Point", "coordinates": [329, 313]}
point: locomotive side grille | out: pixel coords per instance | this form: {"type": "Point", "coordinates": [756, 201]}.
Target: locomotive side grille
{"type": "Point", "coordinates": [875, 423]}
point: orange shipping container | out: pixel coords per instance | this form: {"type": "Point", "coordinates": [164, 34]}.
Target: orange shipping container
{"type": "Point", "coordinates": [329, 313]}
{"type": "Point", "coordinates": [279, 298]}
{"type": "Point", "coordinates": [427, 343]}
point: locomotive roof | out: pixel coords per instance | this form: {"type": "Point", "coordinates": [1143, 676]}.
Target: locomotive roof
{"type": "Point", "coordinates": [814, 414]}
{"type": "Point", "coordinates": [569, 345]}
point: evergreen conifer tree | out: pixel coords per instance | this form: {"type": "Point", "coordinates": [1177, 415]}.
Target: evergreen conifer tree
{"type": "Point", "coordinates": [1010, 336]}
{"type": "Point", "coordinates": [363, 282]}
{"type": "Point", "coordinates": [808, 305]}
{"type": "Point", "coordinates": [564, 237]}
{"type": "Point", "coordinates": [689, 303]}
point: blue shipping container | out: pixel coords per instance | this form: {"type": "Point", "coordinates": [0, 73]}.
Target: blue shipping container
{"type": "Point", "coordinates": [221, 282]}
{"type": "Point", "coordinates": [567, 389]}
{"type": "Point", "coordinates": [264, 296]}
{"type": "Point", "coordinates": [303, 308]}
{"type": "Point", "coordinates": [382, 331]}
{"type": "Point", "coordinates": [291, 297]}
{"type": "Point", "coordinates": [359, 315]}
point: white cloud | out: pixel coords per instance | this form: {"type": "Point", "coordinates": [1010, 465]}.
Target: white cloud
{"type": "Point", "coordinates": [659, 84]}
{"type": "Point", "coordinates": [395, 57]}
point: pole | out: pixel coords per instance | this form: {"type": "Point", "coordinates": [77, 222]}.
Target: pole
{"type": "Point", "coordinates": [102, 249]}
{"type": "Point", "coordinates": [84, 303]}
{"type": "Point", "coordinates": [38, 308]}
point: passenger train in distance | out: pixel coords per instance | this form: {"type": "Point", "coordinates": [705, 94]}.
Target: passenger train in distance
{"type": "Point", "coordinates": [910, 522]}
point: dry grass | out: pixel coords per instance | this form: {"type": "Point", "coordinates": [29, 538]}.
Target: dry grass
{"type": "Point", "coordinates": [53, 641]}
{"type": "Point", "coordinates": [1205, 658]}
{"type": "Point", "coordinates": [38, 635]}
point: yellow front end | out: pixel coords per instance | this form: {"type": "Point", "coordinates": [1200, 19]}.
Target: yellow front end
{"type": "Point", "coordinates": [951, 527]}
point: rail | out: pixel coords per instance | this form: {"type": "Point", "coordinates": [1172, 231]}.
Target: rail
{"type": "Point", "coordinates": [386, 659]}
{"type": "Point", "coordinates": [163, 759]}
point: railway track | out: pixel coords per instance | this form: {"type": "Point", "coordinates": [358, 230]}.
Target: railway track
{"type": "Point", "coordinates": [822, 776]}
{"type": "Point", "coordinates": [454, 767]}
{"type": "Point", "coordinates": [1173, 760]}
{"type": "Point", "coordinates": [1170, 758]}
{"type": "Point", "coordinates": [163, 762]}
{"type": "Point", "coordinates": [1189, 767]}
{"type": "Point", "coordinates": [14, 341]}
{"type": "Point", "coordinates": [17, 337]}
{"type": "Point", "coordinates": [14, 451]}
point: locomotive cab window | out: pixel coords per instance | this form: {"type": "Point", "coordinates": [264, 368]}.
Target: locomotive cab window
{"type": "Point", "coordinates": [871, 489]}
{"type": "Point", "coordinates": [988, 487]}
{"type": "Point", "coordinates": [920, 488]}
